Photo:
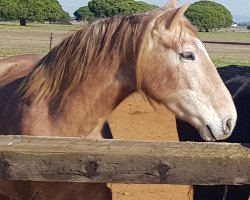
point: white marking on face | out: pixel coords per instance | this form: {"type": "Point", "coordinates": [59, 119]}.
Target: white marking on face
{"type": "Point", "coordinates": [201, 47]}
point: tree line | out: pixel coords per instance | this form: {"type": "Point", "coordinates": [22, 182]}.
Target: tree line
{"type": "Point", "coordinates": [109, 8]}
{"type": "Point", "coordinates": [205, 15]}
{"type": "Point", "coordinates": [32, 10]}
{"type": "Point", "coordinates": [208, 15]}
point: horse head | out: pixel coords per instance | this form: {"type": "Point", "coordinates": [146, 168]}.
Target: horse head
{"type": "Point", "coordinates": [175, 69]}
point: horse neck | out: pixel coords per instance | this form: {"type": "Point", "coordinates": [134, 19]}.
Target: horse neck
{"type": "Point", "coordinates": [87, 109]}
{"type": "Point", "coordinates": [104, 88]}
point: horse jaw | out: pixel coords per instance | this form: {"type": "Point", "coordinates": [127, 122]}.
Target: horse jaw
{"type": "Point", "coordinates": [211, 122]}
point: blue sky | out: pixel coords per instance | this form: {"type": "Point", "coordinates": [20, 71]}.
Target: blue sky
{"type": "Point", "coordinates": [237, 7]}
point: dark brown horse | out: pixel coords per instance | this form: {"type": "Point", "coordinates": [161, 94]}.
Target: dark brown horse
{"type": "Point", "coordinates": [16, 67]}
{"type": "Point", "coordinates": [75, 87]}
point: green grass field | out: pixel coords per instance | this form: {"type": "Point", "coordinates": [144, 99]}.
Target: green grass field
{"type": "Point", "coordinates": [38, 27]}
{"type": "Point", "coordinates": [225, 36]}
{"type": "Point", "coordinates": [223, 55]}
{"type": "Point", "coordinates": [220, 61]}
{"type": "Point", "coordinates": [34, 38]}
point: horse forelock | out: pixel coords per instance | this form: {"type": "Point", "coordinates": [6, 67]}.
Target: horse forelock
{"type": "Point", "coordinates": [185, 26]}
{"type": "Point", "coordinates": [97, 46]}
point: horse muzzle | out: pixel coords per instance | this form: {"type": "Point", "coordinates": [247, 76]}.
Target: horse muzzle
{"type": "Point", "coordinates": [211, 134]}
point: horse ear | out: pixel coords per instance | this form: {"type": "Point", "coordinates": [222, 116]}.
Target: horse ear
{"type": "Point", "coordinates": [171, 5]}
{"type": "Point", "coordinates": [171, 18]}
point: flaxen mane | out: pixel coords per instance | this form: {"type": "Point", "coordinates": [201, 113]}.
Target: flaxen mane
{"type": "Point", "coordinates": [69, 63]}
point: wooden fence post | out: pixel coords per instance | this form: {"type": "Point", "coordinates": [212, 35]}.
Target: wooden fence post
{"type": "Point", "coordinates": [51, 40]}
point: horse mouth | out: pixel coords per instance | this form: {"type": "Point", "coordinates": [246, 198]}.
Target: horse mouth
{"type": "Point", "coordinates": [211, 133]}
{"type": "Point", "coordinates": [207, 134]}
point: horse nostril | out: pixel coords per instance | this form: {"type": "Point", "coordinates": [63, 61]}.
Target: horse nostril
{"type": "Point", "coordinates": [228, 125]}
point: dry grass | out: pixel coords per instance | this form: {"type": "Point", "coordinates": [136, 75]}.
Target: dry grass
{"type": "Point", "coordinates": [31, 39]}
{"type": "Point", "coordinates": [35, 39]}
{"type": "Point", "coordinates": [226, 36]}
{"type": "Point", "coordinates": [38, 27]}
{"type": "Point", "coordinates": [224, 54]}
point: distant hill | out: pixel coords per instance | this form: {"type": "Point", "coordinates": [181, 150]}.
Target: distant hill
{"type": "Point", "coordinates": [241, 19]}
{"type": "Point", "coordinates": [245, 24]}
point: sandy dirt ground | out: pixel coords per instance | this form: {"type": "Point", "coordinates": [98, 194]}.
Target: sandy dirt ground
{"type": "Point", "coordinates": [136, 119]}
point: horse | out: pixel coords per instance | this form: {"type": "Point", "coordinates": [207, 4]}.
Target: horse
{"type": "Point", "coordinates": [237, 80]}
{"type": "Point", "coordinates": [17, 67]}
{"type": "Point", "coordinates": [72, 90]}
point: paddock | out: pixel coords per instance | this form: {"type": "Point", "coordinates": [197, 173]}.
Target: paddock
{"type": "Point", "coordinates": [133, 116]}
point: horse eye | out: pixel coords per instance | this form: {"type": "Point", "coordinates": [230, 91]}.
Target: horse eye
{"type": "Point", "coordinates": [187, 55]}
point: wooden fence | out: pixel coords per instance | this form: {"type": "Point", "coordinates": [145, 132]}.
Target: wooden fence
{"type": "Point", "coordinates": [118, 161]}
{"type": "Point", "coordinates": [228, 43]}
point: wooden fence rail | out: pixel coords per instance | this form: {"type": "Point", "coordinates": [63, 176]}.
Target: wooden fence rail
{"type": "Point", "coordinates": [118, 161]}
{"type": "Point", "coordinates": [229, 43]}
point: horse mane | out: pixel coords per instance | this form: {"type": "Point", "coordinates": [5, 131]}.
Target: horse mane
{"type": "Point", "coordinates": [189, 27]}
{"type": "Point", "coordinates": [72, 61]}
{"type": "Point", "coordinates": [67, 64]}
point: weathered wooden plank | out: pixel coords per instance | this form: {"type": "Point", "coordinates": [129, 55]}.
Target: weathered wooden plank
{"type": "Point", "coordinates": [116, 161]}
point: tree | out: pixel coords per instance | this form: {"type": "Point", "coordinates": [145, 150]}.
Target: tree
{"type": "Point", "coordinates": [208, 15]}
{"type": "Point", "coordinates": [109, 8]}
{"type": "Point", "coordinates": [83, 13]}
{"type": "Point", "coordinates": [29, 10]}
{"type": "Point", "coordinates": [248, 27]}
{"type": "Point", "coordinates": [64, 16]}
{"type": "Point", "coordinates": [7, 10]}
{"type": "Point", "coordinates": [53, 11]}
{"type": "Point", "coordinates": [32, 10]}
